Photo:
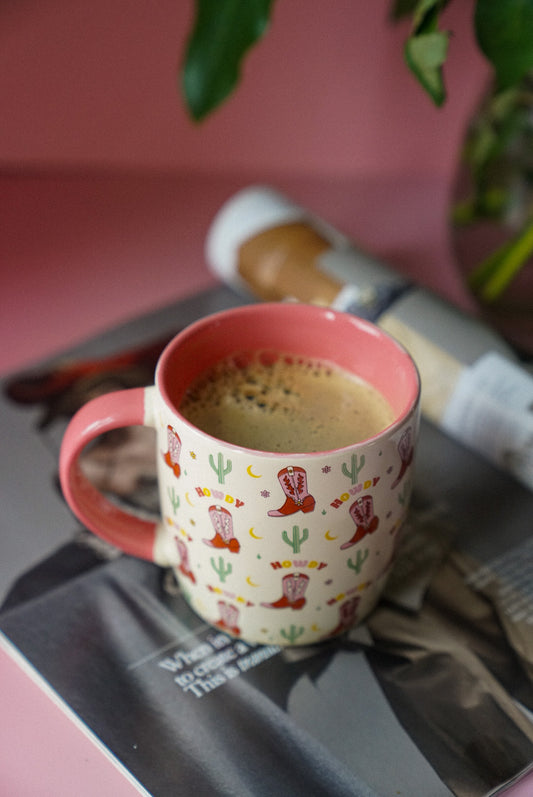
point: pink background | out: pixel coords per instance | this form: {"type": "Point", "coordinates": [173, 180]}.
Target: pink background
{"type": "Point", "coordinates": [107, 190]}
{"type": "Point", "coordinates": [94, 85]}
{"type": "Point", "coordinates": [107, 187]}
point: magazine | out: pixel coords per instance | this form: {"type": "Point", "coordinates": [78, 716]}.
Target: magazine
{"type": "Point", "coordinates": [430, 696]}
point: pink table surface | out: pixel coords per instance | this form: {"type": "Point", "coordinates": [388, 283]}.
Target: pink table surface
{"type": "Point", "coordinates": [80, 253]}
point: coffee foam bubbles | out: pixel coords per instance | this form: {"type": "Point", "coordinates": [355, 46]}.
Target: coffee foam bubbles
{"type": "Point", "coordinates": [280, 402]}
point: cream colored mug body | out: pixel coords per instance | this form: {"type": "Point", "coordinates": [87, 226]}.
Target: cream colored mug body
{"type": "Point", "coordinates": [276, 548]}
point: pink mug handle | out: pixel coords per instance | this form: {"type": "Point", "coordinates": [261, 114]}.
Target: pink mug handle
{"type": "Point", "coordinates": [131, 534]}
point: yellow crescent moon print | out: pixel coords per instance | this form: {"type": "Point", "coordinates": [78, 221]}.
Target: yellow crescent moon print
{"type": "Point", "coordinates": [253, 475]}
{"type": "Point", "coordinates": [328, 536]}
{"type": "Point", "coordinates": [250, 582]}
{"type": "Point", "coordinates": [188, 499]}
{"type": "Point", "coordinates": [255, 536]}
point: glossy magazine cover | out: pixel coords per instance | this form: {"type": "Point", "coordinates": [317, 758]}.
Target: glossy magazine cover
{"type": "Point", "coordinates": [430, 696]}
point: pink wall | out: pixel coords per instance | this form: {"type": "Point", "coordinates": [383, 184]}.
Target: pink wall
{"type": "Point", "coordinates": [94, 84]}
{"type": "Point", "coordinates": [327, 111]}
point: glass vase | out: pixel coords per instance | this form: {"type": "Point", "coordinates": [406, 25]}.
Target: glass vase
{"type": "Point", "coordinates": [492, 212]}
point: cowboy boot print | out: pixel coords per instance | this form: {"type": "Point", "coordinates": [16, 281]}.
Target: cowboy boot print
{"type": "Point", "coordinates": [173, 454]}
{"type": "Point", "coordinates": [293, 481]}
{"type": "Point", "coordinates": [347, 615]}
{"type": "Point", "coordinates": [229, 616]}
{"type": "Point", "coordinates": [406, 452]}
{"type": "Point", "coordinates": [222, 523]}
{"type": "Point", "coordinates": [293, 587]}
{"type": "Point", "coordinates": [366, 522]}
{"type": "Point", "coordinates": [183, 566]}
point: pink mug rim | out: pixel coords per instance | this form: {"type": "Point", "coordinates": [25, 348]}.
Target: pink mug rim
{"type": "Point", "coordinates": [271, 310]}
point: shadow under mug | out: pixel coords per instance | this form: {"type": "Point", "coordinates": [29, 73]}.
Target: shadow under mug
{"type": "Point", "coordinates": [276, 548]}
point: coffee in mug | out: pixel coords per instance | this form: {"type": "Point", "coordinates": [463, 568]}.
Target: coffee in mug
{"type": "Point", "coordinates": [275, 401]}
{"type": "Point", "coordinates": [291, 546]}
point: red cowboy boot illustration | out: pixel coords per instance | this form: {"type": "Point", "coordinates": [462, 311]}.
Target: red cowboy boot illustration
{"type": "Point", "coordinates": [294, 586]}
{"type": "Point", "coordinates": [362, 513]}
{"type": "Point", "coordinates": [183, 566]}
{"type": "Point", "coordinates": [229, 616]}
{"type": "Point", "coordinates": [406, 452]}
{"type": "Point", "coordinates": [223, 525]}
{"type": "Point", "coordinates": [174, 448]}
{"type": "Point", "coordinates": [347, 615]}
{"type": "Point", "coordinates": [293, 482]}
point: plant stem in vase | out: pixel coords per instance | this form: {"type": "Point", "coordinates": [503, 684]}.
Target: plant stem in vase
{"type": "Point", "coordinates": [492, 212]}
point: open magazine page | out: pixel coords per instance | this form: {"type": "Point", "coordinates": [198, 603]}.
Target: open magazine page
{"type": "Point", "coordinates": [430, 696]}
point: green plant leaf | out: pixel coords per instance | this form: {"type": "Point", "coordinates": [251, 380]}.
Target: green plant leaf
{"type": "Point", "coordinates": [504, 30]}
{"type": "Point", "coordinates": [425, 54]}
{"type": "Point", "coordinates": [402, 8]}
{"type": "Point", "coordinates": [426, 15]}
{"type": "Point", "coordinates": [223, 32]}
{"type": "Point", "coordinates": [427, 47]}
{"type": "Point", "coordinates": [491, 277]}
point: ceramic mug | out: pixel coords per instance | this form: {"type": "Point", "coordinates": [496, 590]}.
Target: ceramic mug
{"type": "Point", "coordinates": [276, 548]}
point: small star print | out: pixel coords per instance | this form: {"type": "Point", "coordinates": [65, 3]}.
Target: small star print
{"type": "Point", "coordinates": [192, 454]}
{"type": "Point", "coordinates": [265, 493]}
